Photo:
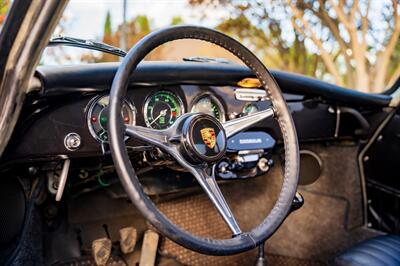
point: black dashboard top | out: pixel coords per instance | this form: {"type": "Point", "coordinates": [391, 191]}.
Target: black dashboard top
{"type": "Point", "coordinates": [98, 77]}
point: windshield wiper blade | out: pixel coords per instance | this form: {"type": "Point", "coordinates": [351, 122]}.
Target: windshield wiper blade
{"type": "Point", "coordinates": [89, 44]}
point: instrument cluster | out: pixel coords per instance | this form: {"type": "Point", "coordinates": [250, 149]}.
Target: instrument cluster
{"type": "Point", "coordinates": [160, 109]}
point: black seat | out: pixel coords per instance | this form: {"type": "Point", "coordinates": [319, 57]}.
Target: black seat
{"type": "Point", "coordinates": [381, 250]}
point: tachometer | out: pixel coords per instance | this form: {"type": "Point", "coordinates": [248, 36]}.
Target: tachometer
{"type": "Point", "coordinates": [162, 109]}
{"type": "Point", "coordinates": [210, 105]}
{"type": "Point", "coordinates": [98, 116]}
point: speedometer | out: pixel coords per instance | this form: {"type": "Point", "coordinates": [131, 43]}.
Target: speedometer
{"type": "Point", "coordinates": [162, 109]}
{"type": "Point", "coordinates": [210, 105]}
{"type": "Point", "coordinates": [98, 116]}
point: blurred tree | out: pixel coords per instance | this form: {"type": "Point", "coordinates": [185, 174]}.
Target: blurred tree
{"type": "Point", "coordinates": [279, 53]}
{"type": "Point", "coordinates": [136, 29]}
{"type": "Point", "coordinates": [355, 41]}
{"type": "Point", "coordinates": [394, 65]}
{"type": "Point", "coordinates": [176, 20]}
{"type": "Point", "coordinates": [4, 5]}
{"type": "Point", "coordinates": [108, 38]}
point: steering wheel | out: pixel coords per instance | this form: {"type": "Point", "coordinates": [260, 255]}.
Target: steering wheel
{"type": "Point", "coordinates": [197, 141]}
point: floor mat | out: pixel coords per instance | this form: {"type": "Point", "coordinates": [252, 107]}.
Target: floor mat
{"type": "Point", "coordinates": [290, 261]}
{"type": "Point", "coordinates": [328, 223]}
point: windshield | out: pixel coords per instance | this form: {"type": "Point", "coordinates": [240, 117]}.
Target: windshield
{"type": "Point", "coordinates": [354, 44]}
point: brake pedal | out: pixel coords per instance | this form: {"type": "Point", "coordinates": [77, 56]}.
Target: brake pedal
{"type": "Point", "coordinates": [149, 248]}
{"type": "Point", "coordinates": [101, 249]}
{"type": "Point", "coordinates": [128, 237]}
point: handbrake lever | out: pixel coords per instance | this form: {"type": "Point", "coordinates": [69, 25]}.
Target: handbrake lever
{"type": "Point", "coordinates": [297, 203]}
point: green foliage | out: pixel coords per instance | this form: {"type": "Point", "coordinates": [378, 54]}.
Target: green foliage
{"type": "Point", "coordinates": [4, 6]}
{"type": "Point", "coordinates": [107, 24]}
{"type": "Point", "coordinates": [176, 20]}
{"type": "Point", "coordinates": [268, 44]}
{"type": "Point", "coordinates": [142, 23]}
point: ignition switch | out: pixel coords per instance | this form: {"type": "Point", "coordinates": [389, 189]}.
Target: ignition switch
{"type": "Point", "coordinates": [264, 164]}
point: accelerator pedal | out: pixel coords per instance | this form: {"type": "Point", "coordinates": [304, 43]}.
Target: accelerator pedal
{"type": "Point", "coordinates": [149, 248]}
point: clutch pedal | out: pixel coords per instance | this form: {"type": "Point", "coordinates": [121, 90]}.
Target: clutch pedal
{"type": "Point", "coordinates": [101, 249]}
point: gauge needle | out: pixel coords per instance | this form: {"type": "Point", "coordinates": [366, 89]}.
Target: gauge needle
{"type": "Point", "coordinates": [162, 113]}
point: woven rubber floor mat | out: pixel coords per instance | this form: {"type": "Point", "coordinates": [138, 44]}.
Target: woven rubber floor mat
{"type": "Point", "coordinates": [197, 215]}
{"type": "Point", "coordinates": [89, 261]}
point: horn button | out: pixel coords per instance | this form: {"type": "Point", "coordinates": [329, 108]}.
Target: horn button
{"type": "Point", "coordinates": [205, 138]}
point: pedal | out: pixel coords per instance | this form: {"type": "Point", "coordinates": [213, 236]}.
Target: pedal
{"type": "Point", "coordinates": [149, 248]}
{"type": "Point", "coordinates": [128, 237]}
{"type": "Point", "coordinates": [101, 249]}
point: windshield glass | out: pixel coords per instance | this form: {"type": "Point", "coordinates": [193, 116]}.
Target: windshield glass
{"type": "Point", "coordinates": [354, 44]}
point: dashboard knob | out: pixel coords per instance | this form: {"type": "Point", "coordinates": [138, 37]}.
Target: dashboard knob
{"type": "Point", "coordinates": [72, 141]}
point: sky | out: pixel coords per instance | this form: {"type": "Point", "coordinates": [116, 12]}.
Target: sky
{"type": "Point", "coordinates": [92, 14]}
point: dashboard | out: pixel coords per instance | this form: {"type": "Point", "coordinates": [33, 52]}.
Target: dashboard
{"type": "Point", "coordinates": [76, 126]}
{"type": "Point", "coordinates": [47, 125]}
{"type": "Point", "coordinates": [66, 116]}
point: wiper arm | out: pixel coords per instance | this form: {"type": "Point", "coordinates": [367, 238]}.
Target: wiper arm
{"type": "Point", "coordinates": [89, 44]}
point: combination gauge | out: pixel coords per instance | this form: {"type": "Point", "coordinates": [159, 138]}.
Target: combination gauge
{"type": "Point", "coordinates": [97, 116]}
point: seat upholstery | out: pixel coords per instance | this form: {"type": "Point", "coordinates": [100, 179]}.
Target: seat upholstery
{"type": "Point", "coordinates": [381, 250]}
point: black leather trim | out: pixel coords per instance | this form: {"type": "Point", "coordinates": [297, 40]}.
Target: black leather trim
{"type": "Point", "coordinates": [66, 79]}
{"type": "Point", "coordinates": [381, 250]}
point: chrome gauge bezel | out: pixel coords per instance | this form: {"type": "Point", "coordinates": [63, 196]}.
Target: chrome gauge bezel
{"type": "Point", "coordinates": [92, 103]}
{"type": "Point", "coordinates": [147, 101]}
{"type": "Point", "coordinates": [213, 98]}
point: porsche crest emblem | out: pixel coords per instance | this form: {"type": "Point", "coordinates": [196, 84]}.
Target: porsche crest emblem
{"type": "Point", "coordinates": [208, 136]}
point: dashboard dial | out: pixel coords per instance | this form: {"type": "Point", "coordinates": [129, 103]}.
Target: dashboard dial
{"type": "Point", "coordinates": [98, 116]}
{"type": "Point", "coordinates": [250, 108]}
{"type": "Point", "coordinates": [210, 105]}
{"type": "Point", "coordinates": [162, 109]}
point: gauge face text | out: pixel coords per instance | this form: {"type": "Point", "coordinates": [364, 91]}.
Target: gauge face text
{"type": "Point", "coordinates": [162, 109]}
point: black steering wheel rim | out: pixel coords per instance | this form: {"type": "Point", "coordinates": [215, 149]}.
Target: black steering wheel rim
{"type": "Point", "coordinates": [129, 180]}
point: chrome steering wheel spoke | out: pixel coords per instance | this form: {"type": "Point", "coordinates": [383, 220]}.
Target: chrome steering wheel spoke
{"type": "Point", "coordinates": [157, 138]}
{"type": "Point", "coordinates": [240, 124]}
{"type": "Point", "coordinates": [209, 184]}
